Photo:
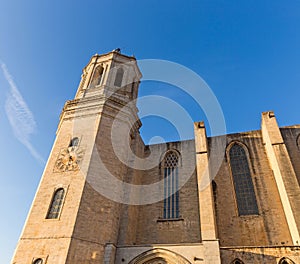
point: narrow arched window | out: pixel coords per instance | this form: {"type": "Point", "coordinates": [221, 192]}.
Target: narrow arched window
{"type": "Point", "coordinates": [56, 204]}
{"type": "Point", "coordinates": [119, 77]}
{"type": "Point", "coordinates": [74, 142]}
{"type": "Point", "coordinates": [171, 191]}
{"type": "Point", "coordinates": [285, 261]}
{"type": "Point", "coordinates": [214, 188]}
{"type": "Point", "coordinates": [38, 261]}
{"type": "Point", "coordinates": [237, 261]}
{"type": "Point", "coordinates": [97, 76]}
{"type": "Point", "coordinates": [243, 185]}
{"type": "Point", "coordinates": [298, 142]}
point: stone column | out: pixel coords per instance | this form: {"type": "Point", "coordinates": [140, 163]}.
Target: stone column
{"type": "Point", "coordinates": [284, 173]}
{"type": "Point", "coordinates": [205, 194]}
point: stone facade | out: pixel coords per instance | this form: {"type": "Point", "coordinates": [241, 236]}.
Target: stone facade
{"type": "Point", "coordinates": [198, 210]}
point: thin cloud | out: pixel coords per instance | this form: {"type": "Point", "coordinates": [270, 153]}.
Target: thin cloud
{"type": "Point", "coordinates": [19, 115]}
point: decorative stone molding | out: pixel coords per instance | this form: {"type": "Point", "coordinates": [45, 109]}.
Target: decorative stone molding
{"type": "Point", "coordinates": [159, 256]}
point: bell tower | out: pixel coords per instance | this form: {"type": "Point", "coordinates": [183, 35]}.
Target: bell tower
{"type": "Point", "coordinates": [75, 215]}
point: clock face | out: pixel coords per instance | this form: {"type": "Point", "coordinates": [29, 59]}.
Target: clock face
{"type": "Point", "coordinates": [69, 159]}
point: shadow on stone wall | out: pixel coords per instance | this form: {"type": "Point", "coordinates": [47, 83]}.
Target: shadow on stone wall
{"type": "Point", "coordinates": [258, 255]}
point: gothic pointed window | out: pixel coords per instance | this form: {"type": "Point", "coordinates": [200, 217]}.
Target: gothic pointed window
{"type": "Point", "coordinates": [237, 261]}
{"type": "Point", "coordinates": [171, 192]}
{"type": "Point", "coordinates": [119, 77]}
{"type": "Point", "coordinates": [38, 261]}
{"type": "Point", "coordinates": [74, 142]}
{"type": "Point", "coordinates": [56, 204]}
{"type": "Point", "coordinates": [285, 261]}
{"type": "Point", "coordinates": [97, 76]}
{"type": "Point", "coordinates": [298, 142]}
{"type": "Point", "coordinates": [214, 189]}
{"type": "Point", "coordinates": [242, 180]}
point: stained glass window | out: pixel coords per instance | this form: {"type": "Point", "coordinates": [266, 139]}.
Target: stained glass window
{"type": "Point", "coordinates": [171, 192]}
{"type": "Point", "coordinates": [56, 204]}
{"type": "Point", "coordinates": [244, 189]}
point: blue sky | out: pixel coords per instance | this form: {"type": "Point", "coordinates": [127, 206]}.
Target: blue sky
{"type": "Point", "coordinates": [247, 51]}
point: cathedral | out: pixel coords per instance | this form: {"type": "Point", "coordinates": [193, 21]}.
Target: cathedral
{"type": "Point", "coordinates": [107, 197]}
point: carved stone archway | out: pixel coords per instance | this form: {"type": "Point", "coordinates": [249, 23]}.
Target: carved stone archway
{"type": "Point", "coordinates": [159, 256]}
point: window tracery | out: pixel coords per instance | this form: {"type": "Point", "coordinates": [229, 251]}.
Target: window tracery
{"type": "Point", "coordinates": [171, 192]}
{"type": "Point", "coordinates": [56, 204]}
{"type": "Point", "coordinates": [242, 180]}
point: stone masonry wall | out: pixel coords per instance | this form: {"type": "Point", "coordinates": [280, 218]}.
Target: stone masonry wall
{"type": "Point", "coordinates": [267, 228]}
{"type": "Point", "coordinates": [152, 228]}
{"type": "Point", "coordinates": [259, 255]}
